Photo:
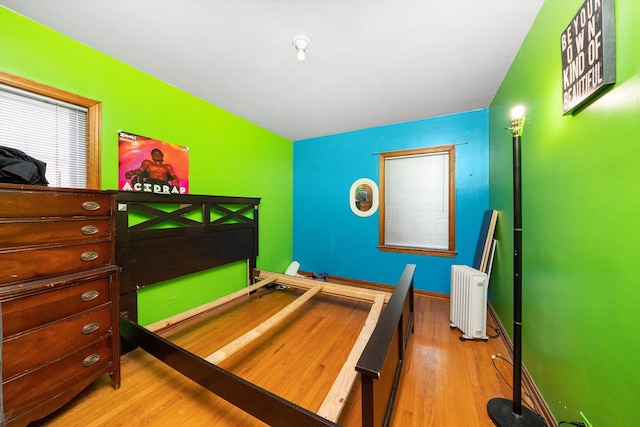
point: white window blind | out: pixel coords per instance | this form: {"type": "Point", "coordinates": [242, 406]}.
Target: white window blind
{"type": "Point", "coordinates": [417, 201]}
{"type": "Point", "coordinates": [49, 130]}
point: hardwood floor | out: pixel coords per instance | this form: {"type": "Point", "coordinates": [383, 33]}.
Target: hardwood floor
{"type": "Point", "coordinates": [446, 382]}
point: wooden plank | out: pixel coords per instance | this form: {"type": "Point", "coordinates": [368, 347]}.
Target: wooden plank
{"type": "Point", "coordinates": [161, 324]}
{"type": "Point", "coordinates": [489, 239]}
{"type": "Point", "coordinates": [335, 400]}
{"type": "Point", "coordinates": [239, 343]}
{"type": "Point", "coordinates": [329, 288]}
{"type": "Point", "coordinates": [486, 236]}
{"type": "Point", "coordinates": [492, 253]}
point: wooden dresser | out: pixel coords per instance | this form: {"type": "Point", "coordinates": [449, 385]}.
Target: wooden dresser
{"type": "Point", "coordinates": [58, 296]}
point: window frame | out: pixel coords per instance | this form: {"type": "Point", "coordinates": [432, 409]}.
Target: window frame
{"type": "Point", "coordinates": [450, 252]}
{"type": "Point", "coordinates": [94, 120]}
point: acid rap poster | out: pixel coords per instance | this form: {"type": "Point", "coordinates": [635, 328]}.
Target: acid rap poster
{"type": "Point", "coordinates": [152, 166]}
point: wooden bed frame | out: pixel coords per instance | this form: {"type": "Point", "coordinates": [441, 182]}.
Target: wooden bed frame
{"type": "Point", "coordinates": [191, 233]}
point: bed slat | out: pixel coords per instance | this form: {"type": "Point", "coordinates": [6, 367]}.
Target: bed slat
{"type": "Point", "coordinates": [335, 400]}
{"type": "Point", "coordinates": [239, 343]}
{"type": "Point", "coordinates": [161, 324]}
{"type": "Point", "coordinates": [361, 294]}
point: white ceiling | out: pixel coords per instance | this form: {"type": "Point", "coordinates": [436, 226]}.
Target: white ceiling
{"type": "Point", "coordinates": [369, 63]}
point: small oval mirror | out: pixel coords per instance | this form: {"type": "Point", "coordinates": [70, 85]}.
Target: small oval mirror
{"type": "Point", "coordinates": [363, 197]}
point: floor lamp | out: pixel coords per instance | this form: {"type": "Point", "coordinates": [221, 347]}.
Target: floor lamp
{"type": "Point", "coordinates": [505, 412]}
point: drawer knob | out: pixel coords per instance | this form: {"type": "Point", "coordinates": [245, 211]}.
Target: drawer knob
{"type": "Point", "coordinates": [90, 360]}
{"type": "Point", "coordinates": [90, 205]}
{"type": "Point", "coordinates": [89, 295]}
{"type": "Point", "coordinates": [90, 328]}
{"type": "Point", "coordinates": [89, 229]}
{"type": "Point", "coordinates": [89, 255]}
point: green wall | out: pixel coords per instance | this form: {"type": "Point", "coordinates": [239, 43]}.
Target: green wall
{"type": "Point", "coordinates": [228, 155]}
{"type": "Point", "coordinates": [581, 238]}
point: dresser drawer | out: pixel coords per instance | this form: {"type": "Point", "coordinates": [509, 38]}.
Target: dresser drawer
{"type": "Point", "coordinates": [20, 265]}
{"type": "Point", "coordinates": [25, 204]}
{"type": "Point", "coordinates": [29, 312]}
{"type": "Point", "coordinates": [58, 296]}
{"type": "Point", "coordinates": [40, 345]}
{"type": "Point", "coordinates": [29, 233]}
{"type": "Point", "coordinates": [27, 391]}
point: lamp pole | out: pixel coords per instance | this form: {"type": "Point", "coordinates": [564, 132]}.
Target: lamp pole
{"type": "Point", "coordinates": [503, 412]}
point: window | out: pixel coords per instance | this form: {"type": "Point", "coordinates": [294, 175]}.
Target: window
{"type": "Point", "coordinates": [417, 201]}
{"type": "Point", "coordinates": [57, 127]}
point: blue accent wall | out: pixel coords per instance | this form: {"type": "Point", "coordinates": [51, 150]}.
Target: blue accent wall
{"type": "Point", "coordinates": [328, 237]}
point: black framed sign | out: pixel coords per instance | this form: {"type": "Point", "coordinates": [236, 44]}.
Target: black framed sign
{"type": "Point", "coordinates": [588, 46]}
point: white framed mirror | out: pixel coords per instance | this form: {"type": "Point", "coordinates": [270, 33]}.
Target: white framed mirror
{"type": "Point", "coordinates": [364, 197]}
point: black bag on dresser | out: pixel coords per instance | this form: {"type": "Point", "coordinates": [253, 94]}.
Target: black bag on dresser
{"type": "Point", "coordinates": [17, 167]}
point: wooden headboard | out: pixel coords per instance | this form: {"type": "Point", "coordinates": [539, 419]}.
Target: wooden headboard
{"type": "Point", "coordinates": [161, 237]}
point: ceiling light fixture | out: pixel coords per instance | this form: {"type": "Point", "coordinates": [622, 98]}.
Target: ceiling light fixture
{"type": "Point", "coordinates": [301, 43]}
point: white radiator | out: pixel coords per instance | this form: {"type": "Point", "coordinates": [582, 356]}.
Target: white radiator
{"type": "Point", "coordinates": [468, 311]}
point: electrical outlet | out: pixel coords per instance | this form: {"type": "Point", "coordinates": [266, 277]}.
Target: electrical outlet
{"type": "Point", "coordinates": [174, 300]}
{"type": "Point", "coordinates": [586, 421]}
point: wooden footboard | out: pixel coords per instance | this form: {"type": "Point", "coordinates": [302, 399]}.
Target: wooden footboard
{"type": "Point", "coordinates": [381, 362]}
